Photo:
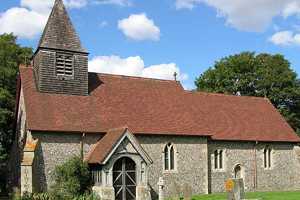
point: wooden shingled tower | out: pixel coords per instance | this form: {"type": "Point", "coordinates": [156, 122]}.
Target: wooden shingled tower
{"type": "Point", "coordinates": [60, 62]}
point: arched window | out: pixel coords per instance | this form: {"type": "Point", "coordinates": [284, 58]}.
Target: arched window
{"type": "Point", "coordinates": [267, 157]}
{"type": "Point", "coordinates": [238, 172]}
{"type": "Point", "coordinates": [169, 154]}
{"type": "Point", "coordinates": [166, 152]}
{"type": "Point", "coordinates": [221, 159]}
{"type": "Point", "coordinates": [218, 159]}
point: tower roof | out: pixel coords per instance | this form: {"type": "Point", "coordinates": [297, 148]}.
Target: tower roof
{"type": "Point", "coordinates": [59, 32]}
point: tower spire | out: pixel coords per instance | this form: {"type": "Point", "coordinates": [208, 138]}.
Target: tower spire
{"type": "Point", "coordinates": [60, 63]}
{"type": "Point", "coordinates": [59, 32]}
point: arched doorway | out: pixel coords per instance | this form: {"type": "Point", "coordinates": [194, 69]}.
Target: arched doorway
{"type": "Point", "coordinates": [238, 172]}
{"type": "Point", "coordinates": [124, 179]}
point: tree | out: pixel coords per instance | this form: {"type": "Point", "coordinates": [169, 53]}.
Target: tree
{"type": "Point", "coordinates": [72, 179]}
{"type": "Point", "coordinates": [261, 75]}
{"type": "Point", "coordinates": [11, 56]}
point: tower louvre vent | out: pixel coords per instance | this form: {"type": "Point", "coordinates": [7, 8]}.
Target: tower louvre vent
{"type": "Point", "coordinates": [64, 65]}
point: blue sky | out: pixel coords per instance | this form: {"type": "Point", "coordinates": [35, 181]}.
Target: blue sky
{"type": "Point", "coordinates": [154, 38]}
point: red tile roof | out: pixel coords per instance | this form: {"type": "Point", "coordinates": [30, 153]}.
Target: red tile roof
{"type": "Point", "coordinates": [151, 106]}
{"type": "Point", "coordinates": [240, 118]}
{"type": "Point", "coordinates": [104, 146]}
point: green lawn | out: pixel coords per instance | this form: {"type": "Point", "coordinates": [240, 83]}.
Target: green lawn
{"type": "Point", "coordinates": [255, 195]}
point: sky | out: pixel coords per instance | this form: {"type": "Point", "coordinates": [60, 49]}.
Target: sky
{"type": "Point", "coordinates": [155, 38]}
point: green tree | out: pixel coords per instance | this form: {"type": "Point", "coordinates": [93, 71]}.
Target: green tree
{"type": "Point", "coordinates": [71, 179]}
{"type": "Point", "coordinates": [261, 75]}
{"type": "Point", "coordinates": [11, 56]}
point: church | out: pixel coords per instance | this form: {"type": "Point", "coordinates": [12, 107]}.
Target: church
{"type": "Point", "coordinates": [135, 131]}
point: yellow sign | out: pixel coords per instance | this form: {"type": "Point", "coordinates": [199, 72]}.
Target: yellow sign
{"type": "Point", "coordinates": [229, 185]}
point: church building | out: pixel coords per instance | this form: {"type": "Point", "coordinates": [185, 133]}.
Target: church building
{"type": "Point", "coordinates": [135, 131]}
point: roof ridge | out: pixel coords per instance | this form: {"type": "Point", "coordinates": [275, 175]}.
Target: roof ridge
{"type": "Point", "coordinates": [134, 77]}
{"type": "Point", "coordinates": [227, 95]}
{"type": "Point", "coordinates": [116, 129]}
{"type": "Point", "coordinates": [117, 75]}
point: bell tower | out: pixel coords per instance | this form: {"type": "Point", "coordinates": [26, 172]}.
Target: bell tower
{"type": "Point", "coordinates": [60, 62]}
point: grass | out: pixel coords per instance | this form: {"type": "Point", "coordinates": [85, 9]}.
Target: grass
{"type": "Point", "coordinates": [255, 195]}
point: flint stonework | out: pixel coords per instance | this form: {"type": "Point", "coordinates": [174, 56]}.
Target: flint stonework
{"type": "Point", "coordinates": [205, 131]}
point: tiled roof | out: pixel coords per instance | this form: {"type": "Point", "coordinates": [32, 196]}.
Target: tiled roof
{"type": "Point", "coordinates": [102, 148]}
{"type": "Point", "coordinates": [150, 106]}
{"type": "Point", "coordinates": [106, 146]}
{"type": "Point", "coordinates": [59, 32]}
{"type": "Point", "coordinates": [240, 118]}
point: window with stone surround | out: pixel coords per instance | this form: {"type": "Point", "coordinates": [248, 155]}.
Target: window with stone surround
{"type": "Point", "coordinates": [64, 65]}
{"type": "Point", "coordinates": [218, 159]}
{"type": "Point", "coordinates": [267, 157]}
{"type": "Point", "coordinates": [96, 175]}
{"type": "Point", "coordinates": [169, 157]}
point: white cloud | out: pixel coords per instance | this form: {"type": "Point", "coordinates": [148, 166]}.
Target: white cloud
{"type": "Point", "coordinates": [293, 8]}
{"type": "Point", "coordinates": [139, 27]}
{"type": "Point", "coordinates": [163, 71]}
{"type": "Point", "coordinates": [134, 66]}
{"type": "Point", "coordinates": [37, 5]}
{"type": "Point", "coordinates": [116, 65]}
{"type": "Point", "coordinates": [247, 15]}
{"type": "Point", "coordinates": [189, 4]}
{"type": "Point", "coordinates": [46, 5]}
{"type": "Point", "coordinates": [76, 3]}
{"type": "Point", "coordinates": [28, 20]}
{"type": "Point", "coordinates": [285, 38]}
{"type": "Point", "coordinates": [114, 2]}
{"type": "Point", "coordinates": [22, 22]}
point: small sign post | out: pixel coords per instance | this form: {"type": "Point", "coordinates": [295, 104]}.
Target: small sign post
{"type": "Point", "coordinates": [235, 189]}
{"type": "Point", "coordinates": [161, 185]}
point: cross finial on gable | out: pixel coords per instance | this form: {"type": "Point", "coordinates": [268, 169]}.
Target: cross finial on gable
{"type": "Point", "coordinates": [175, 76]}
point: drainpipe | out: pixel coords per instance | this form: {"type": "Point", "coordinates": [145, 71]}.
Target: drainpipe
{"type": "Point", "coordinates": [81, 146]}
{"type": "Point", "coordinates": [255, 165]}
